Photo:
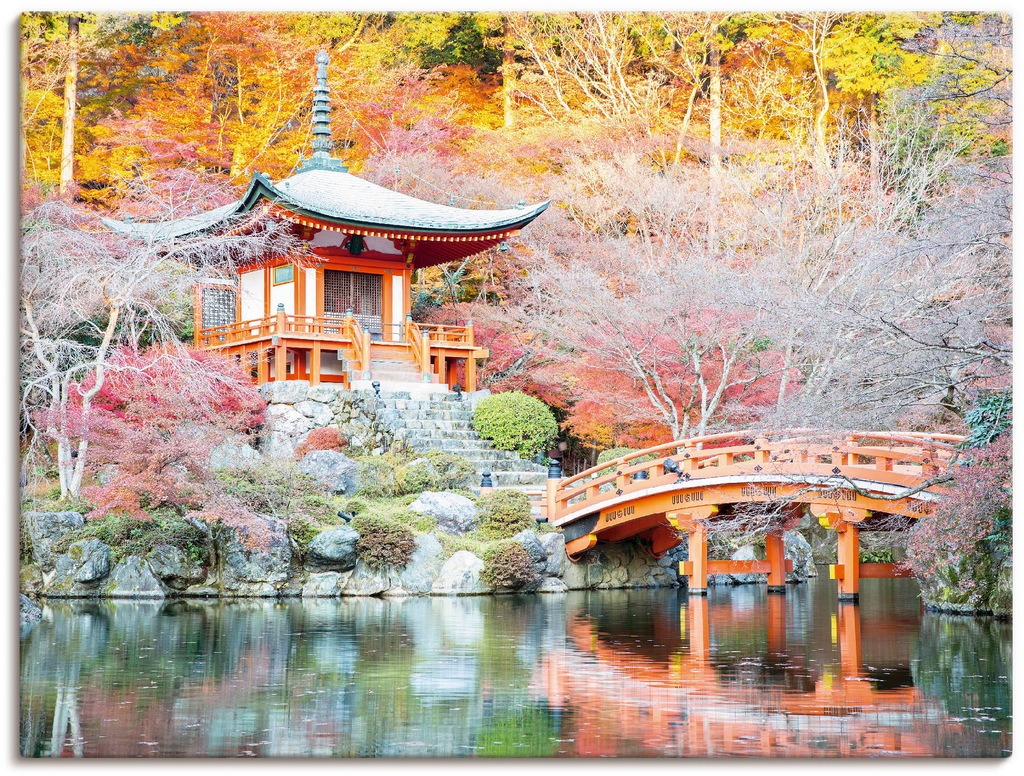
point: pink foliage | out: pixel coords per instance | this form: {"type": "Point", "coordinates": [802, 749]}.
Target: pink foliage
{"type": "Point", "coordinates": [976, 509]}
{"type": "Point", "coordinates": [153, 424]}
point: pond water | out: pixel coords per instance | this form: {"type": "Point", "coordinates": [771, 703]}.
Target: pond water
{"type": "Point", "coordinates": [612, 673]}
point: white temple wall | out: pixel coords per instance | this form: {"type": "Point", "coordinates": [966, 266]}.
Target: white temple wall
{"type": "Point", "coordinates": [252, 295]}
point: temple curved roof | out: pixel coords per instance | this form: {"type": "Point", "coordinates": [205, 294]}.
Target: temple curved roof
{"type": "Point", "coordinates": [339, 201]}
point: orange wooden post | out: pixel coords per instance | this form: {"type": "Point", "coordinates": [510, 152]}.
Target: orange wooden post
{"type": "Point", "coordinates": [776, 624]}
{"type": "Point", "coordinates": [848, 569]}
{"type": "Point", "coordinates": [280, 363]}
{"type": "Point", "coordinates": [365, 360]}
{"type": "Point", "coordinates": [471, 372]}
{"type": "Point", "coordinates": [776, 553]}
{"type": "Point", "coordinates": [262, 367]}
{"type": "Point", "coordinates": [314, 366]}
{"type": "Point", "coordinates": [197, 313]}
{"type": "Point", "coordinates": [425, 356]}
{"type": "Point", "coordinates": [700, 637]}
{"type": "Point", "coordinates": [848, 627]}
{"type": "Point", "coordinates": [697, 583]}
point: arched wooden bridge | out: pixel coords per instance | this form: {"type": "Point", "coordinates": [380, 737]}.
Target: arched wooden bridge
{"type": "Point", "coordinates": [858, 481]}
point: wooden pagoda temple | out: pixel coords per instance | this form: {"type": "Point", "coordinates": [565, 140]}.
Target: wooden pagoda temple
{"type": "Point", "coordinates": [347, 316]}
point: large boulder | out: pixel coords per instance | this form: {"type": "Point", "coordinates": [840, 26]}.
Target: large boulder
{"type": "Point", "coordinates": [232, 455]}
{"type": "Point", "coordinates": [460, 575]}
{"type": "Point", "coordinates": [746, 552]}
{"type": "Point", "coordinates": [418, 575]}
{"type": "Point", "coordinates": [551, 585]}
{"type": "Point", "coordinates": [333, 469]}
{"type": "Point", "coordinates": [798, 550]}
{"type": "Point", "coordinates": [455, 514]}
{"type": "Point", "coordinates": [369, 580]}
{"type": "Point", "coordinates": [78, 572]}
{"type": "Point", "coordinates": [325, 584]}
{"type": "Point", "coordinates": [255, 561]}
{"type": "Point", "coordinates": [45, 528]}
{"type": "Point", "coordinates": [334, 548]}
{"type": "Point", "coordinates": [554, 549]}
{"type": "Point", "coordinates": [133, 578]}
{"type": "Point", "coordinates": [529, 541]}
{"type": "Point", "coordinates": [173, 567]}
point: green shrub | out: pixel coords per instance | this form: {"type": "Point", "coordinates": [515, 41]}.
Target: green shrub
{"type": "Point", "coordinates": [303, 532]}
{"type": "Point", "coordinates": [435, 470]}
{"type": "Point", "coordinates": [507, 566]}
{"type": "Point", "coordinates": [277, 488]}
{"type": "Point", "coordinates": [379, 474]}
{"type": "Point", "coordinates": [383, 541]}
{"type": "Point", "coordinates": [452, 471]}
{"type": "Point", "coordinates": [515, 421]}
{"type": "Point", "coordinates": [415, 477]}
{"type": "Point", "coordinates": [451, 543]}
{"type": "Point", "coordinates": [504, 513]}
{"type": "Point", "coordinates": [354, 506]}
{"type": "Point", "coordinates": [127, 535]}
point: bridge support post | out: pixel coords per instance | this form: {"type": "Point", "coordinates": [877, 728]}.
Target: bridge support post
{"type": "Point", "coordinates": [697, 582]}
{"type": "Point", "coordinates": [776, 554]}
{"type": "Point", "coordinates": [847, 571]}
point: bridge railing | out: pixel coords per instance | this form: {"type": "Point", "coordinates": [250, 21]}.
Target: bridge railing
{"type": "Point", "coordinates": [904, 458]}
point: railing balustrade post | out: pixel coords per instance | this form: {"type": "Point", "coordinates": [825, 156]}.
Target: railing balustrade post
{"type": "Point", "coordinates": [425, 356]}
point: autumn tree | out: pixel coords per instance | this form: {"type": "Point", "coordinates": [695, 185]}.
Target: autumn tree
{"type": "Point", "coordinates": [86, 292]}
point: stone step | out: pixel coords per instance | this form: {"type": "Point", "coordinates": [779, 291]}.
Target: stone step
{"type": "Point", "coordinates": [520, 479]}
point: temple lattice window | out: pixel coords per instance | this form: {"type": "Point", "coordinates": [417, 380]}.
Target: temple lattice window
{"type": "Point", "coordinates": [218, 306]}
{"type": "Point", "coordinates": [361, 292]}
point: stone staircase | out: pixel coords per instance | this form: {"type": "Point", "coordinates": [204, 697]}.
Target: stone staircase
{"type": "Point", "coordinates": [442, 422]}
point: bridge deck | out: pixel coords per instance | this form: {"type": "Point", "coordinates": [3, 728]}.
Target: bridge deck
{"type": "Point", "coordinates": [850, 482]}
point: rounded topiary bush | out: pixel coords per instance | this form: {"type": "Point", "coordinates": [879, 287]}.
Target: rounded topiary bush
{"type": "Point", "coordinates": [383, 541]}
{"type": "Point", "coordinates": [515, 421]}
{"type": "Point", "coordinates": [504, 513]}
{"type": "Point", "coordinates": [507, 566]}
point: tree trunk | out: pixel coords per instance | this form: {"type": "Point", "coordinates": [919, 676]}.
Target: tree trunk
{"type": "Point", "coordinates": [715, 137]}
{"type": "Point", "coordinates": [67, 150]}
{"type": "Point", "coordinates": [715, 118]}
{"type": "Point", "coordinates": [508, 74]}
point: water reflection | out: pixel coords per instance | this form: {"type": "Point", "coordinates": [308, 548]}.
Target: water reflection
{"type": "Point", "coordinates": [642, 673]}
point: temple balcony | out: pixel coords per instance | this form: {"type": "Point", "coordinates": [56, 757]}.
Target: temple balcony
{"type": "Point", "coordinates": [337, 349]}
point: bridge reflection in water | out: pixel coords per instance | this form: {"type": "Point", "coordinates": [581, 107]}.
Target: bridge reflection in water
{"type": "Point", "coordinates": [736, 676]}
{"type": "Point", "coordinates": [640, 673]}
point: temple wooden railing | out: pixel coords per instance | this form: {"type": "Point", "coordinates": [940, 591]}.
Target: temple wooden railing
{"type": "Point", "coordinates": [420, 343]}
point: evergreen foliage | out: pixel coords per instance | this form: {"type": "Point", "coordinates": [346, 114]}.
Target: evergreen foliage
{"type": "Point", "coordinates": [504, 513]}
{"type": "Point", "coordinates": [507, 566]}
{"type": "Point", "coordinates": [383, 541]}
{"type": "Point", "coordinates": [515, 421]}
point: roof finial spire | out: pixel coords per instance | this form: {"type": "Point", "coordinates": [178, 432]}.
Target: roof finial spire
{"type": "Point", "coordinates": [322, 142]}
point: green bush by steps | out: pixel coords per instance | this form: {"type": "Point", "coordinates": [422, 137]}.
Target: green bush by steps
{"type": "Point", "coordinates": [504, 513]}
{"type": "Point", "coordinates": [516, 422]}
{"type": "Point", "coordinates": [400, 472]}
